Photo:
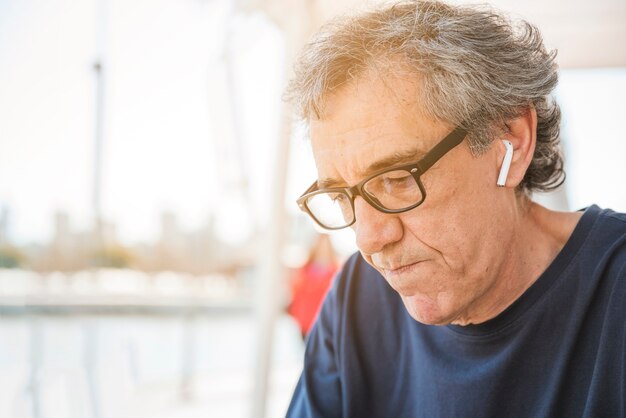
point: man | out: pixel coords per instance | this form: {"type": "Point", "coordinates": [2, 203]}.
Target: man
{"type": "Point", "coordinates": [431, 125]}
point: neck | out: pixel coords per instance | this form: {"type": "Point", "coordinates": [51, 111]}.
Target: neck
{"type": "Point", "coordinates": [538, 235]}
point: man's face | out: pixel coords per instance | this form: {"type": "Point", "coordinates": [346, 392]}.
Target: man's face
{"type": "Point", "coordinates": [444, 256]}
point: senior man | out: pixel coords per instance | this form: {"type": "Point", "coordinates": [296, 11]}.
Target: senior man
{"type": "Point", "coordinates": [431, 125]}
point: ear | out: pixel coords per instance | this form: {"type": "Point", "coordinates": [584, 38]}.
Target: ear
{"type": "Point", "coordinates": [523, 135]}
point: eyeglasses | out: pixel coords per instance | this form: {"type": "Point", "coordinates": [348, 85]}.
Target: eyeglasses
{"type": "Point", "coordinates": [391, 190]}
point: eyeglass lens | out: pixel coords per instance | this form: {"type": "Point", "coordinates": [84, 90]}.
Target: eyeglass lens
{"type": "Point", "coordinates": [392, 190]}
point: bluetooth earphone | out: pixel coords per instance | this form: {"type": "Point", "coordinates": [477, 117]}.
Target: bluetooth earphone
{"type": "Point", "coordinates": [506, 163]}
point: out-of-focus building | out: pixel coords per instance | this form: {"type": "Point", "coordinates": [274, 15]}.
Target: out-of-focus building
{"type": "Point", "coordinates": [196, 252]}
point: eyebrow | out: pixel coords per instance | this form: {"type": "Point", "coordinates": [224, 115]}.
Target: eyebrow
{"type": "Point", "coordinates": [397, 158]}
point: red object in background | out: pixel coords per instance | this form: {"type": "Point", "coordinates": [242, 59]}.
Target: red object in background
{"type": "Point", "coordinates": [310, 283]}
{"type": "Point", "coordinates": [309, 286]}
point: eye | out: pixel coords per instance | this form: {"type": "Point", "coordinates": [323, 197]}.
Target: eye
{"type": "Point", "coordinates": [338, 197]}
{"type": "Point", "coordinates": [397, 179]}
{"type": "Point", "coordinates": [396, 189]}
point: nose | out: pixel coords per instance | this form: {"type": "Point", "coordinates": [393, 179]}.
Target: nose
{"type": "Point", "coordinates": [374, 229]}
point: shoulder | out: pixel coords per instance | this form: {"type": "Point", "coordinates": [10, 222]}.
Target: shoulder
{"type": "Point", "coordinates": [599, 233]}
{"type": "Point", "coordinates": [606, 241]}
{"type": "Point", "coordinates": [607, 222]}
{"type": "Point", "coordinates": [359, 298]}
{"type": "Point", "coordinates": [353, 272]}
{"type": "Point", "coordinates": [601, 260]}
{"type": "Point", "coordinates": [358, 283]}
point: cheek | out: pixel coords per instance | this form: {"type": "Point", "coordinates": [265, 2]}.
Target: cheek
{"type": "Point", "coordinates": [457, 211]}
{"type": "Point", "coordinates": [451, 230]}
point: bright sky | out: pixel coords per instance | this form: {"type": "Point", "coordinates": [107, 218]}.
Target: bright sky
{"type": "Point", "coordinates": [168, 115]}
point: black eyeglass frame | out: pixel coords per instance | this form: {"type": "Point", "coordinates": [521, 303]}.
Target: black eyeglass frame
{"type": "Point", "coordinates": [417, 169]}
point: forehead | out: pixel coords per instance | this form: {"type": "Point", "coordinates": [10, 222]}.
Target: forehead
{"type": "Point", "coordinates": [368, 120]}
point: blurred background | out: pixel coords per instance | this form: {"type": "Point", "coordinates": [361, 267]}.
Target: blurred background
{"type": "Point", "coordinates": [153, 262]}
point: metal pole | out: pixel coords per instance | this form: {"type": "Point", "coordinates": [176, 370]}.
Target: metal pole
{"type": "Point", "coordinates": [90, 331]}
{"type": "Point", "coordinates": [188, 345]}
{"type": "Point", "coordinates": [295, 27]}
{"type": "Point", "coordinates": [97, 171]}
{"type": "Point", "coordinates": [36, 350]}
{"type": "Point", "coordinates": [90, 360]}
{"type": "Point", "coordinates": [99, 69]}
{"type": "Point", "coordinates": [271, 273]}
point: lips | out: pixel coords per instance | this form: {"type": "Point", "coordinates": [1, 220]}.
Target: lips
{"type": "Point", "coordinates": [404, 278]}
{"type": "Point", "coordinates": [390, 268]}
{"type": "Point", "coordinates": [399, 269]}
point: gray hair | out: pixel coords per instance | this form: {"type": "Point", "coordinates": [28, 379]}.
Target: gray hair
{"type": "Point", "coordinates": [476, 68]}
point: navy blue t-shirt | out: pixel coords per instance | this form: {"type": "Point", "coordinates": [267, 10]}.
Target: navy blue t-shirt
{"type": "Point", "coordinates": [557, 351]}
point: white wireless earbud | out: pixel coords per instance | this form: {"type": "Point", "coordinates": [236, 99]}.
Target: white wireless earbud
{"type": "Point", "coordinates": [506, 163]}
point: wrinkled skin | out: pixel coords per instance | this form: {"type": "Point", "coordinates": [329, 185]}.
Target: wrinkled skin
{"type": "Point", "coordinates": [471, 248]}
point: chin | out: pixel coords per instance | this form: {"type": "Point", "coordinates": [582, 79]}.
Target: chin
{"type": "Point", "coordinates": [426, 311]}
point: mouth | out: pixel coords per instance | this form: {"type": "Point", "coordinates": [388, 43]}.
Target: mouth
{"type": "Point", "coordinates": [390, 272]}
{"type": "Point", "coordinates": [404, 279]}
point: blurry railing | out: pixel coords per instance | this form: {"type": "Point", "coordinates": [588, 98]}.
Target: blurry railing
{"type": "Point", "coordinates": [34, 299]}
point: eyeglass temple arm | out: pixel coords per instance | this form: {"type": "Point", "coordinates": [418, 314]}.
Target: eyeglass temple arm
{"type": "Point", "coordinates": [452, 140]}
{"type": "Point", "coordinates": [311, 188]}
